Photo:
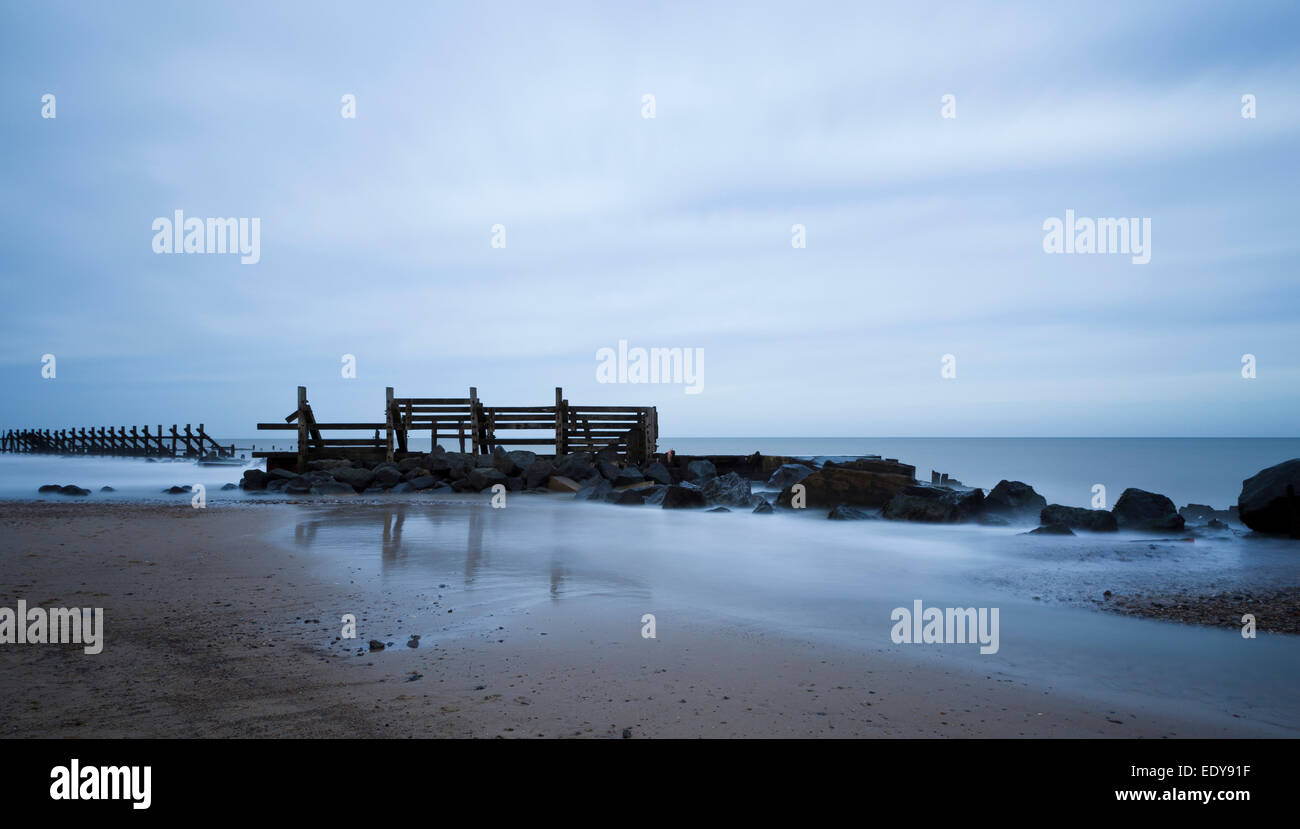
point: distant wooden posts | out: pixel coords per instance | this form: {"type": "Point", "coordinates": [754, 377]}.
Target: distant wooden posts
{"type": "Point", "coordinates": [114, 441]}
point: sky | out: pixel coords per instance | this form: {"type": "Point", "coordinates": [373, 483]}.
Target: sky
{"type": "Point", "coordinates": [923, 234]}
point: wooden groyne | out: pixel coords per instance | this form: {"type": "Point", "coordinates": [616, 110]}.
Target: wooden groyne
{"type": "Point", "coordinates": [632, 431]}
{"type": "Point", "coordinates": [116, 441]}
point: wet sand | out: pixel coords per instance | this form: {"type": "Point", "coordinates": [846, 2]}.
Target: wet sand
{"type": "Point", "coordinates": [215, 629]}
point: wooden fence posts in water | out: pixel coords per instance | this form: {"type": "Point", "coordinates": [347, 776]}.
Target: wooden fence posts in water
{"type": "Point", "coordinates": [116, 441]}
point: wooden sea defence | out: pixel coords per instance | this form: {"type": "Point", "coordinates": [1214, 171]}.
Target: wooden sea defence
{"type": "Point", "coordinates": [116, 441]}
{"type": "Point", "coordinates": [564, 427]}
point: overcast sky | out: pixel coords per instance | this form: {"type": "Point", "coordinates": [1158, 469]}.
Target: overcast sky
{"type": "Point", "coordinates": [924, 234]}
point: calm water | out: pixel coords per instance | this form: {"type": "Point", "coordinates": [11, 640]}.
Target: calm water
{"type": "Point", "coordinates": [1063, 470]}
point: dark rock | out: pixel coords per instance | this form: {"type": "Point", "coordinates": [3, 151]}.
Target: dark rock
{"type": "Point", "coordinates": [358, 479]}
{"type": "Point", "coordinates": [50, 488]}
{"type": "Point", "coordinates": [463, 485]}
{"type": "Point", "coordinates": [376, 645]}
{"type": "Point", "coordinates": [282, 473]}
{"type": "Point", "coordinates": [934, 504]}
{"type": "Point", "coordinates": [727, 490]}
{"type": "Point", "coordinates": [1014, 499]}
{"type": "Point", "coordinates": [629, 476]}
{"type": "Point", "coordinates": [536, 473]}
{"type": "Point", "coordinates": [844, 512]}
{"type": "Point", "coordinates": [1270, 499]}
{"type": "Point", "coordinates": [73, 489]}
{"type": "Point", "coordinates": [298, 486]}
{"type": "Point", "coordinates": [657, 472]}
{"type": "Point", "coordinates": [422, 482]}
{"type": "Point", "coordinates": [577, 466]}
{"type": "Point", "coordinates": [1050, 529]}
{"type": "Point", "coordinates": [1203, 513]}
{"type": "Point", "coordinates": [699, 471]}
{"type": "Point", "coordinates": [503, 463]}
{"type": "Point", "coordinates": [1077, 518]}
{"type": "Point", "coordinates": [328, 464]}
{"type": "Point", "coordinates": [386, 475]}
{"type": "Point", "coordinates": [253, 479]}
{"type": "Point", "coordinates": [402, 488]}
{"type": "Point", "coordinates": [718, 509]}
{"type": "Point", "coordinates": [655, 497]}
{"type": "Point", "coordinates": [482, 477]}
{"type": "Point", "coordinates": [515, 484]}
{"type": "Point", "coordinates": [182, 490]}
{"type": "Point", "coordinates": [763, 509]}
{"type": "Point", "coordinates": [1138, 509]}
{"type": "Point", "coordinates": [413, 642]}
{"type": "Point", "coordinates": [626, 498]}
{"type": "Point", "coordinates": [411, 463]}
{"type": "Point", "coordinates": [276, 484]}
{"type": "Point", "coordinates": [418, 472]}
{"type": "Point", "coordinates": [107, 488]}
{"type": "Point", "coordinates": [224, 488]}
{"type": "Point", "coordinates": [522, 459]}
{"type": "Point", "coordinates": [607, 469]}
{"type": "Point", "coordinates": [827, 488]}
{"type": "Point", "coordinates": [332, 488]}
{"type": "Point", "coordinates": [683, 496]}
{"type": "Point", "coordinates": [990, 520]}
{"type": "Point", "coordinates": [789, 473]}
{"type": "Point", "coordinates": [594, 490]}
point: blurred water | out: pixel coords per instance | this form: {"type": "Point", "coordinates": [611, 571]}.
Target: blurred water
{"type": "Point", "coordinates": [803, 576]}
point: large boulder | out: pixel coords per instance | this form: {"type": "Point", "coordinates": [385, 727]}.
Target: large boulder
{"type": "Point", "coordinates": [332, 488]}
{"type": "Point", "coordinates": [934, 504]}
{"type": "Point", "coordinates": [254, 479]}
{"type": "Point", "coordinates": [387, 475]}
{"type": "Point", "coordinates": [358, 479]}
{"type": "Point", "coordinates": [699, 471]}
{"type": "Point", "coordinates": [1078, 518]}
{"type": "Point", "coordinates": [482, 477]}
{"type": "Point", "coordinates": [1138, 509]}
{"type": "Point", "coordinates": [594, 490]}
{"type": "Point", "coordinates": [299, 486]}
{"type": "Point", "coordinates": [728, 490]}
{"type": "Point", "coordinates": [628, 476]}
{"type": "Point", "coordinates": [536, 473]}
{"type": "Point", "coordinates": [1014, 499]}
{"type": "Point", "coordinates": [844, 512]}
{"type": "Point", "coordinates": [1270, 499]}
{"type": "Point", "coordinates": [657, 472]}
{"type": "Point", "coordinates": [682, 496]}
{"type": "Point", "coordinates": [577, 466]}
{"type": "Point", "coordinates": [789, 473]}
{"type": "Point", "coordinates": [827, 488]}
{"type": "Point", "coordinates": [407, 464]}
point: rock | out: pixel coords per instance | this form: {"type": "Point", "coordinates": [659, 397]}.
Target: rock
{"type": "Point", "coordinates": [298, 486]}
{"type": "Point", "coordinates": [503, 463]}
{"type": "Point", "coordinates": [1203, 513]}
{"type": "Point", "coordinates": [521, 458]}
{"type": "Point", "coordinates": [253, 479]}
{"type": "Point", "coordinates": [413, 642]}
{"type": "Point", "coordinates": [594, 490]}
{"type": "Point", "coordinates": [376, 645]}
{"type": "Point", "coordinates": [827, 488]}
{"type": "Point", "coordinates": [282, 473]}
{"type": "Point", "coordinates": [789, 473]}
{"type": "Point", "coordinates": [73, 489]}
{"type": "Point", "coordinates": [577, 466]}
{"type": "Point", "coordinates": [727, 490]}
{"type": "Point", "coordinates": [107, 488]}
{"type": "Point", "coordinates": [50, 488]}
{"type": "Point", "coordinates": [718, 509]}
{"type": "Point", "coordinates": [407, 464]}
{"type": "Point", "coordinates": [386, 475]}
{"type": "Point", "coordinates": [628, 476]}
{"type": "Point", "coordinates": [463, 485]}
{"type": "Point", "coordinates": [763, 509]}
{"type": "Point", "coordinates": [515, 484]}
{"type": "Point", "coordinates": [559, 483]}
{"type": "Point", "coordinates": [332, 488]}
{"type": "Point", "coordinates": [656, 495]}
{"type": "Point", "coordinates": [992, 520]}
{"type": "Point", "coordinates": [1270, 499]}
{"type": "Point", "coordinates": [1014, 499]}
{"type": "Point", "coordinates": [844, 512]}
{"type": "Point", "coordinates": [358, 479]}
{"type": "Point", "coordinates": [422, 482]}
{"type": "Point", "coordinates": [402, 488]}
{"type": "Point", "coordinates": [485, 460]}
{"type": "Point", "coordinates": [1138, 509]}
{"type": "Point", "coordinates": [482, 477]}
{"type": "Point", "coordinates": [1050, 529]}
{"type": "Point", "coordinates": [626, 498]}
{"type": "Point", "coordinates": [180, 490]}
{"type": "Point", "coordinates": [536, 473]}
{"type": "Point", "coordinates": [276, 484]}
{"type": "Point", "coordinates": [608, 470]}
{"type": "Point", "coordinates": [657, 472]}
{"type": "Point", "coordinates": [699, 471]}
{"type": "Point", "coordinates": [683, 496]}
{"type": "Point", "coordinates": [934, 504]}
{"type": "Point", "coordinates": [418, 472]}
{"type": "Point", "coordinates": [1077, 518]}
{"type": "Point", "coordinates": [328, 464]}
{"type": "Point", "coordinates": [224, 488]}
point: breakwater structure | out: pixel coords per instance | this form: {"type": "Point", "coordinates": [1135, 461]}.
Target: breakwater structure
{"type": "Point", "coordinates": [564, 427]}
{"type": "Point", "coordinates": [117, 441]}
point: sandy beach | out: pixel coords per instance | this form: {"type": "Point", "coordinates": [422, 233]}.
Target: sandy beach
{"type": "Point", "coordinates": [224, 622]}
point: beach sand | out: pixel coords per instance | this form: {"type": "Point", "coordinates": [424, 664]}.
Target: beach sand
{"type": "Point", "coordinates": [205, 637]}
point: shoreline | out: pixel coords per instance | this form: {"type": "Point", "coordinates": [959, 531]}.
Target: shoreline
{"type": "Point", "coordinates": [206, 636]}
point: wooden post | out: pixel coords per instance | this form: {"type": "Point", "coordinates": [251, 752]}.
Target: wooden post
{"type": "Point", "coordinates": [302, 429]}
{"type": "Point", "coordinates": [474, 426]}
{"type": "Point", "coordinates": [388, 420]}
{"type": "Point", "coordinates": [559, 421]}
